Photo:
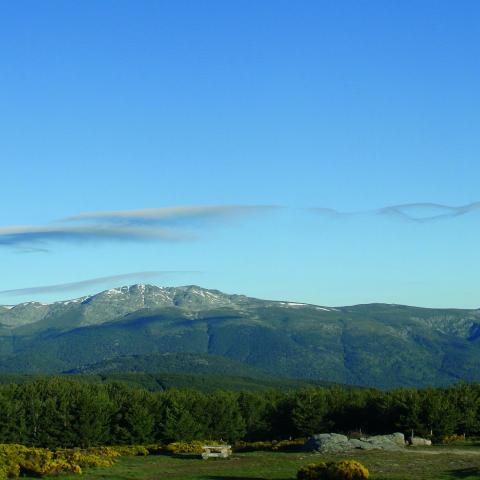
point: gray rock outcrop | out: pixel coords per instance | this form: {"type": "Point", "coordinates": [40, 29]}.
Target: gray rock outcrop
{"type": "Point", "coordinates": [419, 442]}
{"type": "Point", "coordinates": [328, 443]}
{"type": "Point", "coordinates": [336, 443]}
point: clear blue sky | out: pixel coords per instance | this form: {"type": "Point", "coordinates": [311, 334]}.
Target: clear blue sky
{"type": "Point", "coordinates": [349, 105]}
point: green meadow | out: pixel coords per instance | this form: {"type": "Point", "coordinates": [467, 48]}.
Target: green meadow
{"type": "Point", "coordinates": [434, 463]}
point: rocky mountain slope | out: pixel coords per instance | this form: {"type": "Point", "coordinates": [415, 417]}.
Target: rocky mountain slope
{"type": "Point", "coordinates": [376, 344]}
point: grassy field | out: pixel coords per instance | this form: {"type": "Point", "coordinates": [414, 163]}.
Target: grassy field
{"type": "Point", "coordinates": [434, 463]}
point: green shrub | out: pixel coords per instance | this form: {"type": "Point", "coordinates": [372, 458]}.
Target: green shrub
{"type": "Point", "coordinates": [155, 449]}
{"type": "Point", "coordinates": [344, 470]}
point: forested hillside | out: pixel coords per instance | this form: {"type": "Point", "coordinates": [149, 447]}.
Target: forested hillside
{"type": "Point", "coordinates": [120, 329]}
{"type": "Point", "coordinates": [162, 381]}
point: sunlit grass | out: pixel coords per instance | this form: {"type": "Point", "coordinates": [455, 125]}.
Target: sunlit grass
{"type": "Point", "coordinates": [436, 463]}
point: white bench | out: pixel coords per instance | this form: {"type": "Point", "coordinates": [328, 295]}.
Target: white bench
{"type": "Point", "coordinates": [216, 451]}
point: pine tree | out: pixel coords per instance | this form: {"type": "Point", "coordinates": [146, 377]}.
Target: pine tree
{"type": "Point", "coordinates": [309, 412]}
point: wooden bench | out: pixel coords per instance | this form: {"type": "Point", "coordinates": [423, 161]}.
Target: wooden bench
{"type": "Point", "coordinates": [216, 451]}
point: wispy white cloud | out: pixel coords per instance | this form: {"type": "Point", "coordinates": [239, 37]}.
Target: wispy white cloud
{"type": "Point", "coordinates": [171, 224]}
{"type": "Point", "coordinates": [111, 280]}
{"type": "Point", "coordinates": [168, 214]}
{"type": "Point", "coordinates": [411, 212]}
{"type": "Point", "coordinates": [24, 250]}
{"type": "Point", "coordinates": [26, 235]}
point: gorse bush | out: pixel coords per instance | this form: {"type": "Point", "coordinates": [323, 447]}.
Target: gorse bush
{"type": "Point", "coordinates": [349, 470]}
{"type": "Point", "coordinates": [106, 451]}
{"type": "Point", "coordinates": [131, 450]}
{"type": "Point", "coordinates": [43, 462]}
{"type": "Point", "coordinates": [450, 439]}
{"type": "Point", "coordinates": [187, 447]}
{"type": "Point", "coordinates": [274, 445]}
{"type": "Point", "coordinates": [85, 458]}
{"type": "Point", "coordinates": [18, 460]}
{"type": "Point", "coordinates": [9, 460]}
{"type": "Point", "coordinates": [344, 470]}
{"type": "Point", "coordinates": [313, 471]}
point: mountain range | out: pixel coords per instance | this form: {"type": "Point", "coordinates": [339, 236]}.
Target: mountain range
{"type": "Point", "coordinates": [189, 329]}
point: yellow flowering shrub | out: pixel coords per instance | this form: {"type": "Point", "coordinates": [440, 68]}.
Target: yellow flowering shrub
{"type": "Point", "coordinates": [186, 447]}
{"type": "Point", "coordinates": [350, 470]}
{"type": "Point", "coordinates": [131, 450]}
{"type": "Point", "coordinates": [110, 452]}
{"type": "Point", "coordinates": [273, 445]}
{"type": "Point", "coordinates": [17, 460]}
{"type": "Point", "coordinates": [84, 458]}
{"type": "Point", "coordinates": [343, 470]}
{"type": "Point", "coordinates": [313, 471]}
{"type": "Point", "coordinates": [449, 439]}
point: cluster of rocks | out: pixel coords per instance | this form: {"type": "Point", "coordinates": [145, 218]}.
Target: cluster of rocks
{"type": "Point", "coordinates": [336, 443]}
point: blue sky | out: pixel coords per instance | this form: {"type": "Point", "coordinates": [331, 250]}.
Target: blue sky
{"type": "Point", "coordinates": [354, 106]}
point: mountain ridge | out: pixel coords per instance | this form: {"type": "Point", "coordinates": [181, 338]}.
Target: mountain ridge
{"type": "Point", "coordinates": [374, 344]}
{"type": "Point", "coordinates": [213, 292]}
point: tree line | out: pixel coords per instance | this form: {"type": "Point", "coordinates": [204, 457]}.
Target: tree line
{"type": "Point", "coordinates": [65, 413]}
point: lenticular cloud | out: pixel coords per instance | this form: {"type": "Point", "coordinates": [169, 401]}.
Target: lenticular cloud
{"type": "Point", "coordinates": [169, 224]}
{"type": "Point", "coordinates": [412, 212]}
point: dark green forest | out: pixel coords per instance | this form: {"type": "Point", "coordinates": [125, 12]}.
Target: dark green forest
{"type": "Point", "coordinates": [58, 412]}
{"type": "Point", "coordinates": [163, 381]}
